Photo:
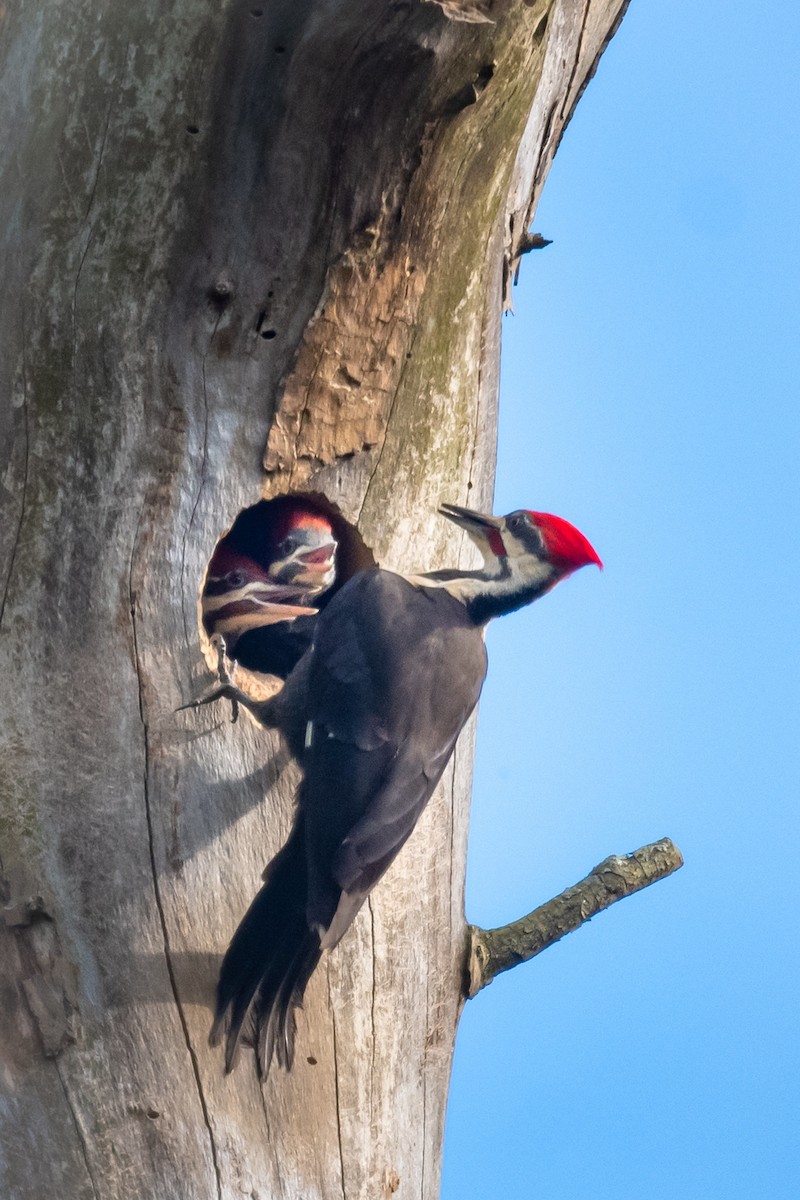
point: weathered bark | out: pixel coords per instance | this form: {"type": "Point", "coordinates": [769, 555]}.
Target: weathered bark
{"type": "Point", "coordinates": [247, 248]}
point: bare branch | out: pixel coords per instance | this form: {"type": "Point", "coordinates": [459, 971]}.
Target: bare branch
{"type": "Point", "coordinates": [494, 950]}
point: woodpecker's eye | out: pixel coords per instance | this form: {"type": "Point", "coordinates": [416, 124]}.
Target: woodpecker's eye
{"type": "Point", "coordinates": [236, 579]}
{"type": "Point", "coordinates": [517, 522]}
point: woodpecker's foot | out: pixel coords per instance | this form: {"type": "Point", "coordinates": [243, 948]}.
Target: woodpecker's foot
{"type": "Point", "coordinates": [223, 662]}
{"type": "Point", "coordinates": [225, 691]}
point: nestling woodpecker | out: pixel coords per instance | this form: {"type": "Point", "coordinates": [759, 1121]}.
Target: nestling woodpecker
{"type": "Point", "coordinates": [264, 585]}
{"type": "Point", "coordinates": [373, 710]}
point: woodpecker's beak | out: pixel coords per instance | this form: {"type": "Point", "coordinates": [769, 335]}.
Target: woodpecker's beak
{"type": "Point", "coordinates": [318, 560]}
{"type": "Point", "coordinates": [484, 530]}
{"type": "Point", "coordinates": [254, 605]}
{"type": "Point", "coordinates": [472, 522]}
{"type": "Point", "coordinates": [308, 559]}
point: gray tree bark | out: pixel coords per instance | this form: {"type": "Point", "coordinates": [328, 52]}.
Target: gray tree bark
{"type": "Point", "coordinates": [248, 248]}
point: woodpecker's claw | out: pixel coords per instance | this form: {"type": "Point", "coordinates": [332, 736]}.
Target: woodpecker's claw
{"type": "Point", "coordinates": [226, 690]}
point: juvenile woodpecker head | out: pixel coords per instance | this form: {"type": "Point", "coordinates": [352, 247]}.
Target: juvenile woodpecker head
{"type": "Point", "coordinates": [241, 595]}
{"type": "Point", "coordinates": [303, 553]}
{"type": "Point", "coordinates": [525, 554]}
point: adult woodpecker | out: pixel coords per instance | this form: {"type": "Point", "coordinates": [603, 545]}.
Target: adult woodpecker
{"type": "Point", "coordinates": [264, 583]}
{"type": "Point", "coordinates": [395, 669]}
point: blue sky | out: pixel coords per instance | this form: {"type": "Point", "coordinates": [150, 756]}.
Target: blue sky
{"type": "Point", "coordinates": [649, 394]}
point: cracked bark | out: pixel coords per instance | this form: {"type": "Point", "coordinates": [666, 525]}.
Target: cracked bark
{"type": "Point", "coordinates": [80, 1135]}
{"type": "Point", "coordinates": [233, 235]}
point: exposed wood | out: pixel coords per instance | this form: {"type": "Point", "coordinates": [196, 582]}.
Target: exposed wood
{"type": "Point", "coordinates": [232, 231]}
{"type": "Point", "coordinates": [492, 951]}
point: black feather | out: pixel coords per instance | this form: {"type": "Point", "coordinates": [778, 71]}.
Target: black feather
{"type": "Point", "coordinates": [275, 649]}
{"type": "Point", "coordinates": [268, 963]}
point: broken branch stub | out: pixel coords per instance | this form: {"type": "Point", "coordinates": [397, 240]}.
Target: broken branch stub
{"type": "Point", "coordinates": [491, 951]}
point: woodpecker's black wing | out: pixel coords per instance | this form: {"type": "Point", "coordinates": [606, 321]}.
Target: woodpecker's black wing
{"type": "Point", "coordinates": [394, 673]}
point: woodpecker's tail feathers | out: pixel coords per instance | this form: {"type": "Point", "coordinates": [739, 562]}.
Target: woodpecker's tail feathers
{"type": "Point", "coordinates": [274, 1023]}
{"type": "Point", "coordinates": [268, 965]}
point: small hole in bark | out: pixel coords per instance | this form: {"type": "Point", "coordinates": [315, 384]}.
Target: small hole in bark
{"type": "Point", "coordinates": [345, 378]}
{"type": "Point", "coordinates": [469, 487]}
{"type": "Point", "coordinates": [221, 290]}
{"type": "Point", "coordinates": [312, 1062]}
{"type": "Point", "coordinates": [486, 72]}
{"type": "Point", "coordinates": [192, 129]}
{"type": "Point", "coordinates": [541, 28]}
{"type": "Point", "coordinates": [280, 49]}
{"type": "Point", "coordinates": [153, 1114]}
{"type": "Point", "coordinates": [292, 554]}
{"type": "Point", "coordinates": [268, 334]}
{"type": "Point", "coordinates": [270, 295]}
{"type": "Point", "coordinates": [256, 12]}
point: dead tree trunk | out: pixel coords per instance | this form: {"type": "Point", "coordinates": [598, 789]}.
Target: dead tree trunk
{"type": "Point", "coordinates": [249, 248]}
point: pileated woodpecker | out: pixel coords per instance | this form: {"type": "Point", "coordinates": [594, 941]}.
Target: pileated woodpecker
{"type": "Point", "coordinates": [373, 710]}
{"type": "Point", "coordinates": [264, 583]}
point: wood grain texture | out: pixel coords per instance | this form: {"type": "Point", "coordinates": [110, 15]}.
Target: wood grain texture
{"type": "Point", "coordinates": [233, 235]}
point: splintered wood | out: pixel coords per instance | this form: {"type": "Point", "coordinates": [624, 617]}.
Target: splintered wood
{"type": "Point", "coordinates": [337, 397]}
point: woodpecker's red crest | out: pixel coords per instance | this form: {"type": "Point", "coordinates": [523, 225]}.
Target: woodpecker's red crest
{"type": "Point", "coordinates": [300, 518]}
{"type": "Point", "coordinates": [565, 544]}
